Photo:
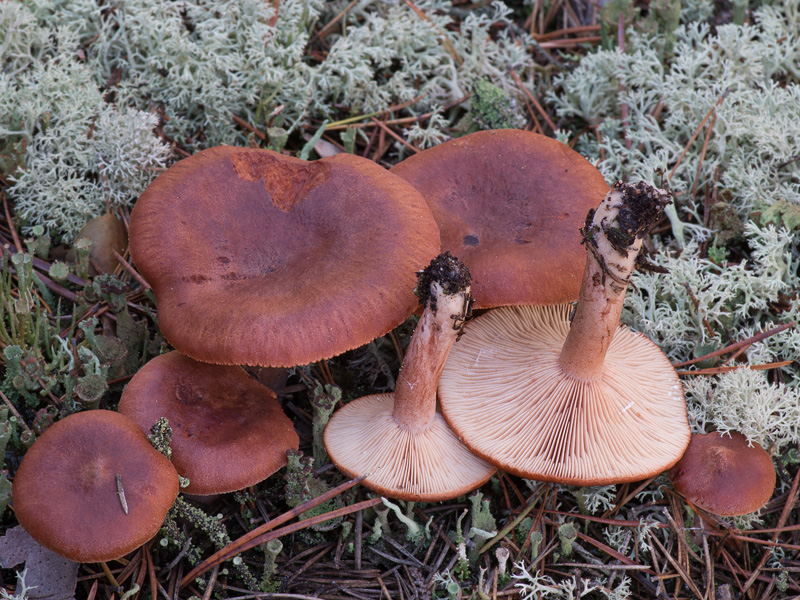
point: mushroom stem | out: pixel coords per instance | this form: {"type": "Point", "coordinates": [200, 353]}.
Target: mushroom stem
{"type": "Point", "coordinates": [444, 289]}
{"type": "Point", "coordinates": [613, 238]}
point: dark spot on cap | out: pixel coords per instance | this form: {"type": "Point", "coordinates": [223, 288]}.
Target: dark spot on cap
{"type": "Point", "coordinates": [471, 240]}
{"type": "Point", "coordinates": [195, 278]}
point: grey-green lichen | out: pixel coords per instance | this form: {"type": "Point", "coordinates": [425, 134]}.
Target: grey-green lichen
{"type": "Point", "coordinates": [751, 71]}
{"type": "Point", "coordinates": [92, 95]}
{"type": "Point", "coordinates": [67, 151]}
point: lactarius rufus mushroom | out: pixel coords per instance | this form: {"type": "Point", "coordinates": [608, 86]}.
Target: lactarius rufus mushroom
{"type": "Point", "coordinates": [398, 439]}
{"type": "Point", "coordinates": [92, 488]}
{"type": "Point", "coordinates": [228, 430]}
{"type": "Point", "coordinates": [257, 258]}
{"type": "Point", "coordinates": [722, 474]}
{"type": "Point", "coordinates": [509, 204]}
{"type": "Point", "coordinates": [588, 404]}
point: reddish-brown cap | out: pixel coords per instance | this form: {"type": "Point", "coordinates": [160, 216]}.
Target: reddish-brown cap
{"type": "Point", "coordinates": [510, 204]}
{"type": "Point", "coordinates": [506, 396]}
{"type": "Point", "coordinates": [262, 259]}
{"type": "Point", "coordinates": [364, 438]}
{"type": "Point", "coordinates": [67, 495]}
{"type": "Point", "coordinates": [722, 474]}
{"type": "Point", "coordinates": [228, 430]}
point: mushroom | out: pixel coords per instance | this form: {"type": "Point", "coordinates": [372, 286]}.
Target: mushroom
{"type": "Point", "coordinates": [398, 440]}
{"type": "Point", "coordinates": [228, 430]}
{"type": "Point", "coordinates": [92, 488]}
{"type": "Point", "coordinates": [590, 403]}
{"type": "Point", "coordinates": [724, 475]}
{"type": "Point", "coordinates": [509, 204]}
{"type": "Point", "coordinates": [258, 258]}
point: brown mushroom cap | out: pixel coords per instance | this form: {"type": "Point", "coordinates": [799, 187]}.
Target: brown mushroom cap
{"type": "Point", "coordinates": [510, 204]}
{"type": "Point", "coordinates": [504, 393]}
{"type": "Point", "coordinates": [261, 259]}
{"type": "Point", "coordinates": [65, 490]}
{"type": "Point", "coordinates": [723, 475]}
{"type": "Point", "coordinates": [228, 430]}
{"type": "Point", "coordinates": [363, 437]}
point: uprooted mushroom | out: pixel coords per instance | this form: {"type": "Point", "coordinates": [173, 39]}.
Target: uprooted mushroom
{"type": "Point", "coordinates": [399, 440]}
{"type": "Point", "coordinates": [582, 401]}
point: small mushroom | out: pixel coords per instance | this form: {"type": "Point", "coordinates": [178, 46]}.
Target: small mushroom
{"type": "Point", "coordinates": [108, 235]}
{"type": "Point", "coordinates": [585, 403]}
{"type": "Point", "coordinates": [257, 258]}
{"type": "Point", "coordinates": [92, 488]}
{"type": "Point", "coordinates": [228, 430]}
{"type": "Point", "coordinates": [509, 204]}
{"type": "Point", "coordinates": [399, 440]}
{"type": "Point", "coordinates": [724, 475]}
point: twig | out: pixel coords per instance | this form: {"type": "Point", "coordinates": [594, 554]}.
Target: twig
{"type": "Point", "coordinates": [509, 527]}
{"type": "Point", "coordinates": [626, 122]}
{"type": "Point", "coordinates": [240, 544]}
{"type": "Point", "coordinates": [541, 37]}
{"type": "Point", "coordinates": [211, 583]}
{"type": "Point", "coordinates": [537, 127]}
{"type": "Point", "coordinates": [15, 412]}
{"type": "Point", "coordinates": [359, 532]}
{"type": "Point", "coordinates": [14, 234]}
{"type": "Point", "coordinates": [272, 22]}
{"type": "Point", "coordinates": [742, 344]}
{"type": "Point", "coordinates": [719, 370]}
{"type": "Point", "coordinates": [533, 100]}
{"type": "Point", "coordinates": [628, 497]}
{"type": "Point", "coordinates": [448, 45]}
{"type": "Point", "coordinates": [710, 591]}
{"type": "Point", "coordinates": [571, 42]}
{"type": "Point", "coordinates": [324, 31]}
{"type": "Point", "coordinates": [394, 108]}
{"type": "Point", "coordinates": [251, 128]}
{"type": "Point", "coordinates": [151, 574]}
{"type": "Point", "coordinates": [697, 131]}
{"type": "Point", "coordinates": [602, 566]}
{"type": "Point", "coordinates": [709, 330]}
{"type": "Point", "coordinates": [93, 591]}
{"type": "Point", "coordinates": [393, 134]}
{"type": "Point", "coordinates": [703, 152]}
{"type": "Point", "coordinates": [133, 272]}
{"type": "Point", "coordinates": [788, 505]}
{"type": "Point", "coordinates": [684, 576]}
{"type": "Point", "coordinates": [599, 142]}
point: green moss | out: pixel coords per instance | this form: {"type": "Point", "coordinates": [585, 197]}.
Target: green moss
{"type": "Point", "coordinates": [493, 107]}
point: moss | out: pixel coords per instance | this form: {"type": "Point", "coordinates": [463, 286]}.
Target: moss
{"type": "Point", "coordinates": [493, 107]}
